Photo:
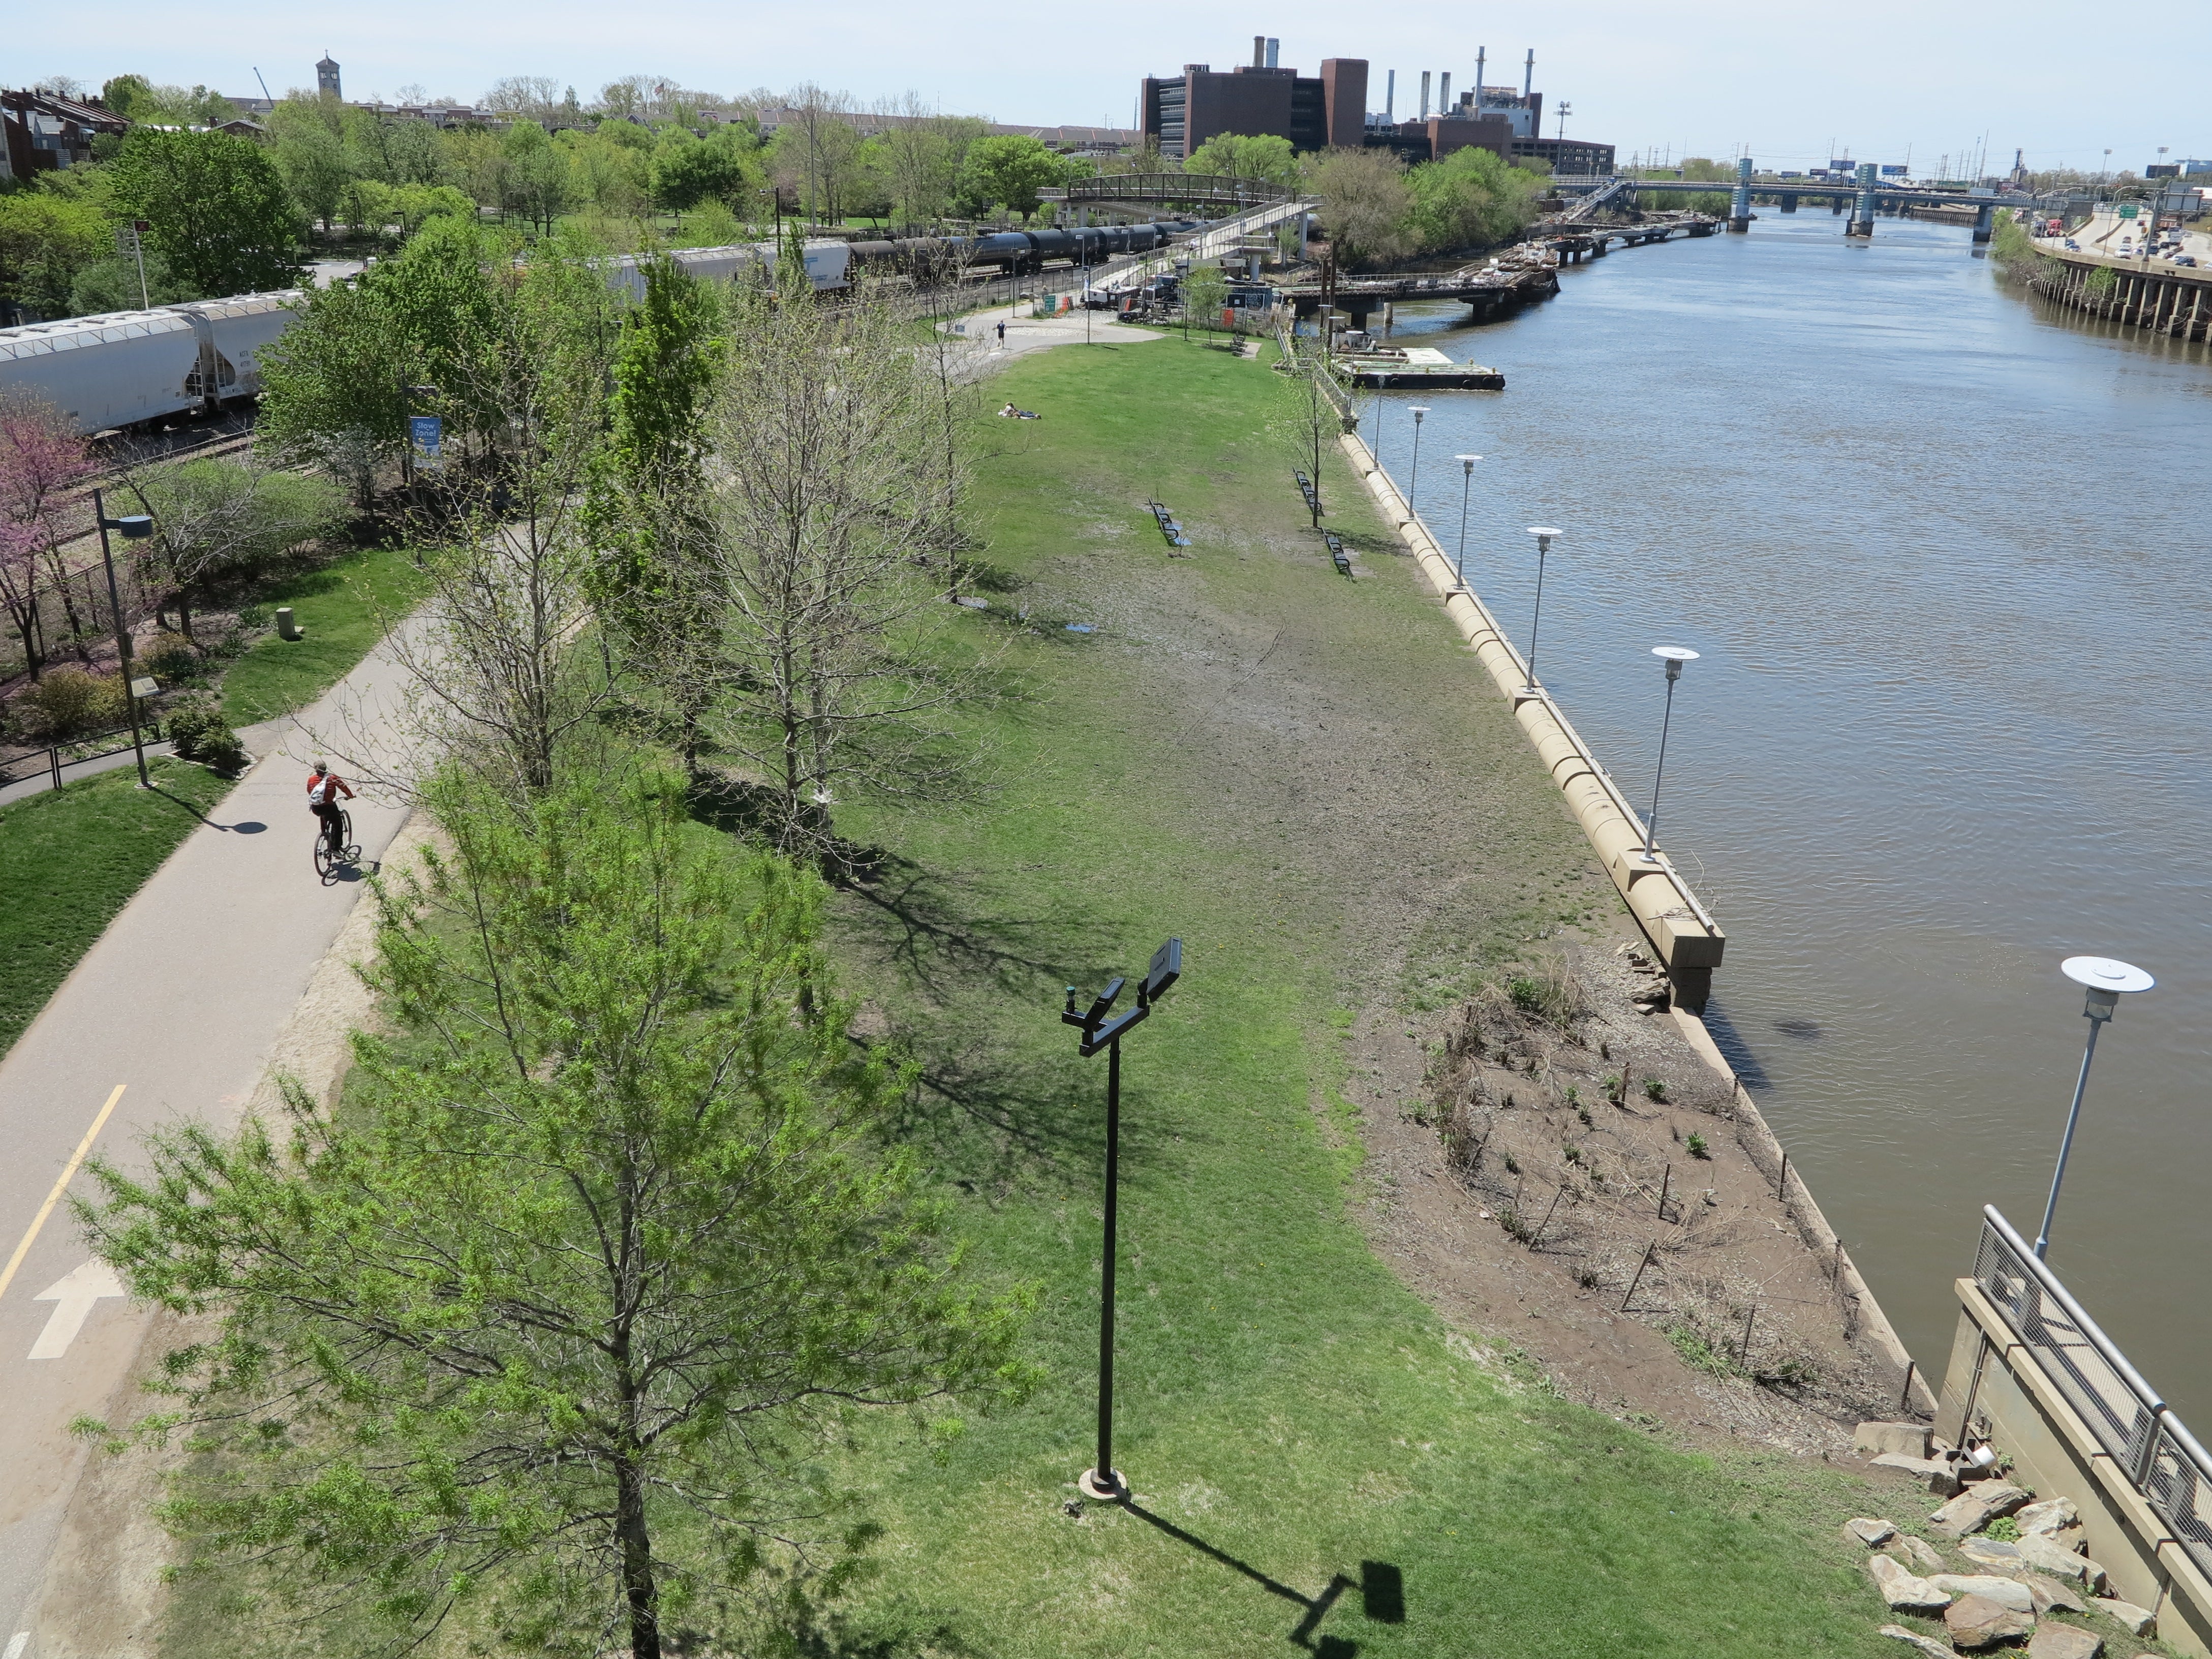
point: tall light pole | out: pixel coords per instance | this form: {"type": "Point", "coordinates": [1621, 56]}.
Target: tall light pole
{"type": "Point", "coordinates": [1413, 483]}
{"type": "Point", "coordinates": [1543, 534]}
{"type": "Point", "coordinates": [1101, 1480]}
{"type": "Point", "coordinates": [1673, 656]}
{"type": "Point", "coordinates": [2106, 981]}
{"type": "Point", "coordinates": [135, 527]}
{"type": "Point", "coordinates": [1466, 484]}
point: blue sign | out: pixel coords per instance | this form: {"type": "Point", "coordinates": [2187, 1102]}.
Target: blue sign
{"type": "Point", "coordinates": [427, 432]}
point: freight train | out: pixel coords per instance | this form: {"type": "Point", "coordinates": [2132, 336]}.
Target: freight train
{"type": "Point", "coordinates": [126, 368]}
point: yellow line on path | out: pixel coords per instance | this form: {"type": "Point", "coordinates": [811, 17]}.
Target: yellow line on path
{"type": "Point", "coordinates": [76, 1159]}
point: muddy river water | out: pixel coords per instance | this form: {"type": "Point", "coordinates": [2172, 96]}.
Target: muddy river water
{"type": "Point", "coordinates": [1947, 555]}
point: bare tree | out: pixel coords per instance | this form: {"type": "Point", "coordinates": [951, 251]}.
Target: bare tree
{"type": "Point", "coordinates": [506, 672]}
{"type": "Point", "coordinates": [829, 481]}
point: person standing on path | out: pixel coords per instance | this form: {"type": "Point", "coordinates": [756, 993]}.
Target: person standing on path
{"type": "Point", "coordinates": [1002, 331]}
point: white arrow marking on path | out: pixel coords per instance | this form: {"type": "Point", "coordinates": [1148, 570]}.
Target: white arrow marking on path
{"type": "Point", "coordinates": [72, 1295]}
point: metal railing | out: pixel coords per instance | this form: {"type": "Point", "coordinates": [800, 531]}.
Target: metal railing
{"type": "Point", "coordinates": [2129, 1418]}
{"type": "Point", "coordinates": [1193, 187]}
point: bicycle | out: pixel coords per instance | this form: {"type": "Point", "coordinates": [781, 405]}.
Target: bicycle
{"type": "Point", "coordinates": [334, 848]}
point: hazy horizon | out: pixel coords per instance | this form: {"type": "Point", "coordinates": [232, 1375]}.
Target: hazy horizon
{"type": "Point", "coordinates": [1894, 83]}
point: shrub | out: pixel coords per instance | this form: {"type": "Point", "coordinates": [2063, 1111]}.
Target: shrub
{"type": "Point", "coordinates": [221, 751]}
{"type": "Point", "coordinates": [1697, 1145]}
{"type": "Point", "coordinates": [171, 657]}
{"type": "Point", "coordinates": [191, 723]}
{"type": "Point", "coordinates": [1655, 1088]}
{"type": "Point", "coordinates": [2004, 1530]}
{"type": "Point", "coordinates": [70, 702]}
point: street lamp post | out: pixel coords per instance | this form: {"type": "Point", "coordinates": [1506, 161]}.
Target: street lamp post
{"type": "Point", "coordinates": [135, 527]}
{"type": "Point", "coordinates": [1543, 534]}
{"type": "Point", "coordinates": [1101, 1480]}
{"type": "Point", "coordinates": [1413, 483]}
{"type": "Point", "coordinates": [1675, 656]}
{"type": "Point", "coordinates": [2106, 981]}
{"type": "Point", "coordinates": [1466, 482]}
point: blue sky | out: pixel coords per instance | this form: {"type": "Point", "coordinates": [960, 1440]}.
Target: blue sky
{"type": "Point", "coordinates": [1701, 77]}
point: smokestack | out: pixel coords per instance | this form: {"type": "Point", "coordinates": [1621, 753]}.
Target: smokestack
{"type": "Point", "coordinates": [1528, 75]}
{"type": "Point", "coordinates": [1443, 95]}
{"type": "Point", "coordinates": [1478, 60]}
{"type": "Point", "coordinates": [1275, 51]}
{"type": "Point", "coordinates": [1390, 97]}
{"type": "Point", "coordinates": [1425, 94]}
{"type": "Point", "coordinates": [1259, 51]}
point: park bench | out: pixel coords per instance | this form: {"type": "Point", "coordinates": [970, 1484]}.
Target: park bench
{"type": "Point", "coordinates": [1169, 527]}
{"type": "Point", "coordinates": [1337, 552]}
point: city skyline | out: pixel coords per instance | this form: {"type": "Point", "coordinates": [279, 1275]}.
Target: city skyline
{"type": "Point", "coordinates": [1710, 79]}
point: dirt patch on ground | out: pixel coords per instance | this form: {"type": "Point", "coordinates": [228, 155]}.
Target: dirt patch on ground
{"type": "Point", "coordinates": [1536, 1156]}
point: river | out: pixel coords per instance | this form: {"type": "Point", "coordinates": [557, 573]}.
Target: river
{"type": "Point", "coordinates": [1944, 550]}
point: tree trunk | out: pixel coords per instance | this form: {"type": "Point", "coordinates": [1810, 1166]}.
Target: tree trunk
{"type": "Point", "coordinates": [636, 1542]}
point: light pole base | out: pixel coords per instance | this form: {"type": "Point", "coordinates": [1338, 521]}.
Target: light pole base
{"type": "Point", "coordinates": [1092, 1487]}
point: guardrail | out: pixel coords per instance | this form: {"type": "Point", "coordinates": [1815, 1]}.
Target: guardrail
{"type": "Point", "coordinates": [2129, 1418]}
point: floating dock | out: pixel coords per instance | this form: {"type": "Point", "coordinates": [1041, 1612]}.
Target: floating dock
{"type": "Point", "coordinates": [1421, 368]}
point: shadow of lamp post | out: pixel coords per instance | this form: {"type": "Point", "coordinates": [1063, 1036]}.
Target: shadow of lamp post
{"type": "Point", "coordinates": [2106, 981]}
{"type": "Point", "coordinates": [1102, 1029]}
{"type": "Point", "coordinates": [134, 527]}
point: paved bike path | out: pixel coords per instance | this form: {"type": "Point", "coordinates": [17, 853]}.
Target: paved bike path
{"type": "Point", "coordinates": [177, 1006]}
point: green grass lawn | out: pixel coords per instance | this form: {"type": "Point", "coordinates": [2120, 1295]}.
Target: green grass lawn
{"type": "Point", "coordinates": [343, 608]}
{"type": "Point", "coordinates": [1309, 782]}
{"type": "Point", "coordinates": [71, 858]}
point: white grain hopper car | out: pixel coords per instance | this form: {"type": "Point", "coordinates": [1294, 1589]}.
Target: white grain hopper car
{"type": "Point", "coordinates": [123, 367]}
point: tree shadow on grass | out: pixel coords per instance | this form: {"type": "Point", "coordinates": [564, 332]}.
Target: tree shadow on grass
{"type": "Point", "coordinates": [1381, 1584]}
{"type": "Point", "coordinates": [1000, 1096]}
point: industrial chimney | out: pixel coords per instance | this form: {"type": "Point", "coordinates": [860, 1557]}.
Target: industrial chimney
{"type": "Point", "coordinates": [1479, 59]}
{"type": "Point", "coordinates": [1275, 51]}
{"type": "Point", "coordinates": [1390, 99]}
{"type": "Point", "coordinates": [1425, 94]}
{"type": "Point", "coordinates": [1528, 75]}
{"type": "Point", "coordinates": [1259, 51]}
{"type": "Point", "coordinates": [1443, 95]}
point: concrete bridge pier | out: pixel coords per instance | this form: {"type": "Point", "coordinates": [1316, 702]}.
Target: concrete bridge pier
{"type": "Point", "coordinates": [1861, 222]}
{"type": "Point", "coordinates": [1789, 202]}
{"type": "Point", "coordinates": [1985, 223]}
{"type": "Point", "coordinates": [1740, 209]}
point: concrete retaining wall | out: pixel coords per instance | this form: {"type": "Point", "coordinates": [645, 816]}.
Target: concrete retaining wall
{"type": "Point", "coordinates": [1684, 936]}
{"type": "Point", "coordinates": [1995, 1387]}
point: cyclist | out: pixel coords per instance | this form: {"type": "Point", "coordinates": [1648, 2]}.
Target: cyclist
{"type": "Point", "coordinates": [323, 788]}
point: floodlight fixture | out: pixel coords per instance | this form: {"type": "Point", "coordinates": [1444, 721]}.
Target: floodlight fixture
{"type": "Point", "coordinates": [1102, 1029]}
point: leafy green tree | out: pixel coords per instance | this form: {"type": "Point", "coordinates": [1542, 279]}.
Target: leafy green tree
{"type": "Point", "coordinates": [307, 143]}
{"type": "Point", "coordinates": [1234, 156]}
{"type": "Point", "coordinates": [47, 243]}
{"type": "Point", "coordinates": [547, 1336]}
{"type": "Point", "coordinates": [1473, 198]}
{"type": "Point", "coordinates": [688, 171]}
{"type": "Point", "coordinates": [538, 184]}
{"type": "Point", "coordinates": [219, 214]}
{"type": "Point", "coordinates": [1010, 169]}
{"type": "Point", "coordinates": [1366, 205]}
{"type": "Point", "coordinates": [112, 284]}
{"type": "Point", "coordinates": [132, 97]}
{"type": "Point", "coordinates": [1205, 294]}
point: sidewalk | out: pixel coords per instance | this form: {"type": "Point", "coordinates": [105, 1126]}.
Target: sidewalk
{"type": "Point", "coordinates": [169, 1017]}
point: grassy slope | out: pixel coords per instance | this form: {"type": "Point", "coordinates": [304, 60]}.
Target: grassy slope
{"type": "Point", "coordinates": [1284, 1401]}
{"type": "Point", "coordinates": [344, 607]}
{"type": "Point", "coordinates": [71, 860]}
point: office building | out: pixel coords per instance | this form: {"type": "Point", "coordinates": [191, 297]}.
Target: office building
{"type": "Point", "coordinates": [1261, 98]}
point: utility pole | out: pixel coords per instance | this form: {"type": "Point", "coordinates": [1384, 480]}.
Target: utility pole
{"type": "Point", "coordinates": [135, 527]}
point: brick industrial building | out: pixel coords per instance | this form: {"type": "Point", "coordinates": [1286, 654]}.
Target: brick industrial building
{"type": "Point", "coordinates": [1182, 111]}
